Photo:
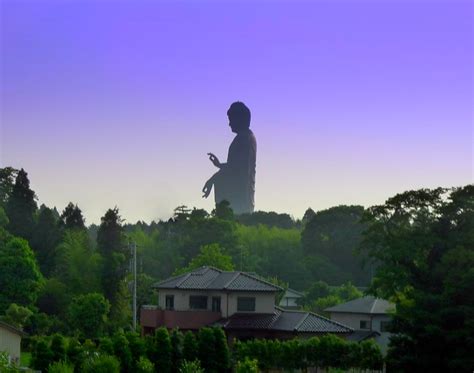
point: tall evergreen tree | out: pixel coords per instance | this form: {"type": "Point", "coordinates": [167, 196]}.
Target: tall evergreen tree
{"type": "Point", "coordinates": [72, 218]}
{"type": "Point", "coordinates": [111, 245]}
{"type": "Point", "coordinates": [7, 180]}
{"type": "Point", "coordinates": [21, 207]}
{"type": "Point", "coordinates": [46, 237]}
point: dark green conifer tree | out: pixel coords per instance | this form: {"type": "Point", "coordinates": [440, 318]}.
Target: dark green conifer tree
{"type": "Point", "coordinates": [21, 207]}
{"type": "Point", "coordinates": [222, 359]}
{"type": "Point", "coordinates": [206, 349]}
{"type": "Point", "coordinates": [46, 237]}
{"type": "Point", "coordinates": [190, 347]}
{"type": "Point", "coordinates": [71, 217]}
{"type": "Point", "coordinates": [111, 245]}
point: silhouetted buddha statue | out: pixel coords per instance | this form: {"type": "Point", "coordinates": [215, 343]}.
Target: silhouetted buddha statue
{"type": "Point", "coordinates": [235, 180]}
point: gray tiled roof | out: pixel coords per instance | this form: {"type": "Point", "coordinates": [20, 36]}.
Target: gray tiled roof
{"type": "Point", "coordinates": [283, 320]}
{"type": "Point", "coordinates": [210, 278]}
{"type": "Point", "coordinates": [367, 305]}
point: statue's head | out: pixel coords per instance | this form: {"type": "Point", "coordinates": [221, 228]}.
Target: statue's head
{"type": "Point", "coordinates": [239, 117]}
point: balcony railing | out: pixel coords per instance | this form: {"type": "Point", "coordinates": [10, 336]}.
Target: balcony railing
{"type": "Point", "coordinates": [154, 317]}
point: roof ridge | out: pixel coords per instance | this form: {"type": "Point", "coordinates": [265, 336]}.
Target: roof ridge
{"type": "Point", "coordinates": [373, 306]}
{"type": "Point", "coordinates": [237, 274]}
{"type": "Point", "coordinates": [277, 316]}
{"type": "Point", "coordinates": [212, 267]}
{"type": "Point", "coordinates": [331, 321]}
{"type": "Point", "coordinates": [261, 280]}
{"type": "Point", "coordinates": [184, 279]}
{"type": "Point", "coordinates": [169, 279]}
{"type": "Point", "coordinates": [301, 321]}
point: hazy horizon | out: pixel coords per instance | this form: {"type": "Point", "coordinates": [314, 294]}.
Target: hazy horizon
{"type": "Point", "coordinates": [117, 103]}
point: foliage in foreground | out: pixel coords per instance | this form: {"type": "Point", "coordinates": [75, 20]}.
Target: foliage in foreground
{"type": "Point", "coordinates": [423, 244]}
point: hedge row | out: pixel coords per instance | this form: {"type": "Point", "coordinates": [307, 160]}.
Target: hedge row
{"type": "Point", "coordinates": [327, 351]}
{"type": "Point", "coordinates": [207, 351]}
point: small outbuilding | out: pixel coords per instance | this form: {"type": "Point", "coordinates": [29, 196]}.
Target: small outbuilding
{"type": "Point", "coordinates": [10, 341]}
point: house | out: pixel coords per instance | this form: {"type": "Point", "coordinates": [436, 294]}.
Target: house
{"type": "Point", "coordinates": [242, 304]}
{"type": "Point", "coordinates": [10, 341]}
{"type": "Point", "coordinates": [290, 299]}
{"type": "Point", "coordinates": [368, 316]}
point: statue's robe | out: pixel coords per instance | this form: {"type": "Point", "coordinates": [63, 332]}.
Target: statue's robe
{"type": "Point", "coordinates": [235, 182]}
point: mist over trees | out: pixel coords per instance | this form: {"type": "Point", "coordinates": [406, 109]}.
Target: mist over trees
{"type": "Point", "coordinates": [416, 250]}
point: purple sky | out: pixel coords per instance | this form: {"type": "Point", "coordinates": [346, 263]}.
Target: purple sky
{"type": "Point", "coordinates": [110, 103]}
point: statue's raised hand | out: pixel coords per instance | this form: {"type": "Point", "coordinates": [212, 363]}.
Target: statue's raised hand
{"type": "Point", "coordinates": [214, 160]}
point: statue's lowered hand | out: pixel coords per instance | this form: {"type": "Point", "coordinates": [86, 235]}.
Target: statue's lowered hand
{"type": "Point", "coordinates": [207, 188]}
{"type": "Point", "coordinates": [214, 160]}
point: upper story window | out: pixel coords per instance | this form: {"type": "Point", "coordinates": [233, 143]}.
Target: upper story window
{"type": "Point", "coordinates": [364, 324]}
{"type": "Point", "coordinates": [169, 302]}
{"type": "Point", "coordinates": [385, 326]}
{"type": "Point", "coordinates": [246, 304]}
{"type": "Point", "coordinates": [198, 302]}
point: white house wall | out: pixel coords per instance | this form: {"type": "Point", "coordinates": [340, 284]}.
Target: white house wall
{"type": "Point", "coordinates": [264, 302]}
{"type": "Point", "coordinates": [10, 343]}
{"type": "Point", "coordinates": [351, 319]}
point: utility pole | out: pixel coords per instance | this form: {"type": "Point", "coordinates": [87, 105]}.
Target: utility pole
{"type": "Point", "coordinates": [134, 291]}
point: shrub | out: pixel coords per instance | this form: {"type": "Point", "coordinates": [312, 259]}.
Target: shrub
{"type": "Point", "coordinates": [106, 346]}
{"type": "Point", "coordinates": [75, 353]}
{"type": "Point", "coordinates": [101, 364]}
{"type": "Point", "coordinates": [247, 366]}
{"type": "Point", "coordinates": [206, 351]}
{"type": "Point", "coordinates": [60, 367]}
{"type": "Point", "coordinates": [5, 365]}
{"type": "Point", "coordinates": [221, 351]}
{"type": "Point", "coordinates": [161, 351]}
{"type": "Point", "coordinates": [58, 347]}
{"type": "Point", "coordinates": [122, 352]}
{"type": "Point", "coordinates": [41, 356]}
{"type": "Point", "coordinates": [191, 367]}
{"type": "Point", "coordinates": [176, 338]}
{"type": "Point", "coordinates": [190, 347]}
{"type": "Point", "coordinates": [137, 346]}
{"type": "Point", "coordinates": [144, 365]}
{"type": "Point", "coordinates": [370, 355]}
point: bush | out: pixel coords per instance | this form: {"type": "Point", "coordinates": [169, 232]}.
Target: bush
{"type": "Point", "coordinates": [106, 346]}
{"type": "Point", "coordinates": [161, 351]}
{"type": "Point", "coordinates": [206, 351]}
{"type": "Point", "coordinates": [328, 351]}
{"type": "Point", "coordinates": [75, 353]}
{"type": "Point", "coordinates": [88, 314]}
{"type": "Point", "coordinates": [60, 367]}
{"type": "Point", "coordinates": [58, 347]}
{"type": "Point", "coordinates": [144, 365]}
{"type": "Point", "coordinates": [190, 347]}
{"type": "Point", "coordinates": [137, 346]}
{"type": "Point", "coordinates": [5, 365]}
{"type": "Point", "coordinates": [247, 366]}
{"type": "Point", "coordinates": [41, 356]}
{"type": "Point", "coordinates": [191, 367]}
{"type": "Point", "coordinates": [122, 352]}
{"type": "Point", "coordinates": [101, 364]}
{"type": "Point", "coordinates": [176, 338]}
{"type": "Point", "coordinates": [222, 358]}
